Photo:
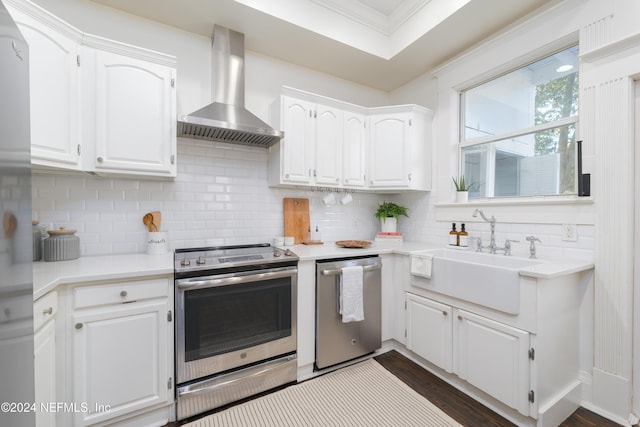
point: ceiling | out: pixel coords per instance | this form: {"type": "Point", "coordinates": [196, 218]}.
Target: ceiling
{"type": "Point", "coordinates": [382, 44]}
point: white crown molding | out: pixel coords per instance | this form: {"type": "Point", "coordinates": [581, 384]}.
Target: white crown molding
{"type": "Point", "coordinates": [372, 18]}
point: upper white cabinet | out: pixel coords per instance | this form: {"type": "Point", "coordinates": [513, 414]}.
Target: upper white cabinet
{"type": "Point", "coordinates": [354, 150]}
{"type": "Point", "coordinates": [97, 105]}
{"type": "Point", "coordinates": [54, 78]}
{"type": "Point", "coordinates": [330, 143]}
{"type": "Point", "coordinates": [310, 152]}
{"type": "Point", "coordinates": [399, 148]}
{"type": "Point", "coordinates": [132, 103]}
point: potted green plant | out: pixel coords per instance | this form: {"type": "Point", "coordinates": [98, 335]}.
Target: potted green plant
{"type": "Point", "coordinates": [388, 214]}
{"type": "Point", "coordinates": [462, 188]}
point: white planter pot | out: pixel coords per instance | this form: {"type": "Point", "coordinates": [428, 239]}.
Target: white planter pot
{"type": "Point", "coordinates": [462, 196]}
{"type": "Point", "coordinates": [389, 225]}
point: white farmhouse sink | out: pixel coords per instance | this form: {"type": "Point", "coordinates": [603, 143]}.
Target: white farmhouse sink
{"type": "Point", "coordinates": [488, 280]}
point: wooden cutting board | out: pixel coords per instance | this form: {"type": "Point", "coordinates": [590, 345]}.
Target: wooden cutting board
{"type": "Point", "coordinates": [296, 219]}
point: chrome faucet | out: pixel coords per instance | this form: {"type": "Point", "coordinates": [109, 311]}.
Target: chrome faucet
{"type": "Point", "coordinates": [492, 224]}
{"type": "Point", "coordinates": [532, 245]}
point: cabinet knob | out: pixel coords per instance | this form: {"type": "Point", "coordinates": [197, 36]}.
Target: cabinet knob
{"type": "Point", "coordinates": [337, 179]}
{"type": "Point", "coordinates": [48, 311]}
{"type": "Point", "coordinates": [459, 317]}
{"type": "Point", "coordinates": [100, 159]}
{"type": "Point", "coordinates": [286, 175]}
{"type": "Point", "coordinates": [409, 176]}
{"type": "Point", "coordinates": [123, 294]}
{"type": "Point", "coordinates": [444, 313]}
{"type": "Point", "coordinates": [79, 325]}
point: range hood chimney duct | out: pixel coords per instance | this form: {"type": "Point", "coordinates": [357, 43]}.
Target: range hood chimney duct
{"type": "Point", "coordinates": [226, 119]}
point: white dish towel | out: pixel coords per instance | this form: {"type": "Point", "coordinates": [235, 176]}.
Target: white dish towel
{"type": "Point", "coordinates": [351, 298]}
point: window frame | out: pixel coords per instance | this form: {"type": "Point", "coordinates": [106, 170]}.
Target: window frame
{"type": "Point", "coordinates": [481, 140]}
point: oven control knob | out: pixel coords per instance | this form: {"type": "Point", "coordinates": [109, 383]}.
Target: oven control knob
{"type": "Point", "coordinates": [185, 262]}
{"type": "Point", "coordinates": [201, 260]}
{"type": "Point", "coordinates": [277, 253]}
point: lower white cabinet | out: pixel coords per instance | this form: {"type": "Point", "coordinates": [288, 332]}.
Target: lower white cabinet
{"type": "Point", "coordinates": [45, 311]}
{"type": "Point", "coordinates": [430, 330]}
{"type": "Point", "coordinates": [120, 339]}
{"type": "Point", "coordinates": [491, 356]}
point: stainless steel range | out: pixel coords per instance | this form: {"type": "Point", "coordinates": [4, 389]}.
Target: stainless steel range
{"type": "Point", "coordinates": [236, 309]}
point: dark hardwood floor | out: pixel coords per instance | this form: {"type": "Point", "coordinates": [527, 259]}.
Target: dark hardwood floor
{"type": "Point", "coordinates": [458, 405]}
{"type": "Point", "coordinates": [461, 407]}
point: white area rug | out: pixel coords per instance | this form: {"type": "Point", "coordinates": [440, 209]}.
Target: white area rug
{"type": "Point", "coordinates": [365, 394]}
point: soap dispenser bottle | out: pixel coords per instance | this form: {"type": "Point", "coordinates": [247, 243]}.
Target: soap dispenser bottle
{"type": "Point", "coordinates": [463, 237]}
{"type": "Point", "coordinates": [453, 235]}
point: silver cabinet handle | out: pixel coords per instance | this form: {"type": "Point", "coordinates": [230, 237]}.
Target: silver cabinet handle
{"type": "Point", "coordinates": [100, 159]}
{"type": "Point", "coordinates": [79, 325]}
{"type": "Point", "coordinates": [48, 311]}
{"type": "Point", "coordinates": [123, 294]}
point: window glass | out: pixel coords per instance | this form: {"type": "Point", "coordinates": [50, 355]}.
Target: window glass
{"type": "Point", "coordinates": [519, 130]}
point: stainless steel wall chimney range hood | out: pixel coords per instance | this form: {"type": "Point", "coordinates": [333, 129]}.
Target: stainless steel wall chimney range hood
{"type": "Point", "coordinates": [226, 119]}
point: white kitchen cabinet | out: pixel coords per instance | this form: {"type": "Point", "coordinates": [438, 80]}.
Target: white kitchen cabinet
{"type": "Point", "coordinates": [309, 153]}
{"type": "Point", "coordinates": [354, 150]}
{"type": "Point", "coordinates": [529, 361]}
{"type": "Point", "coordinates": [399, 148]}
{"type": "Point", "coordinates": [335, 144]}
{"type": "Point", "coordinates": [493, 357]}
{"type": "Point", "coordinates": [121, 341]}
{"type": "Point", "coordinates": [430, 330]}
{"type": "Point", "coordinates": [97, 105]}
{"type": "Point", "coordinates": [130, 106]}
{"type": "Point", "coordinates": [45, 311]}
{"type": "Point", "coordinates": [54, 79]}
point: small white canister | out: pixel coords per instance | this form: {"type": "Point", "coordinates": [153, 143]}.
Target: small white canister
{"type": "Point", "coordinates": [157, 242]}
{"type": "Point", "coordinates": [61, 245]}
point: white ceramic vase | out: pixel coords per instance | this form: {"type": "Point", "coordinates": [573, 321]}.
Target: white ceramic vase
{"type": "Point", "coordinates": [389, 225]}
{"type": "Point", "coordinates": [462, 196]}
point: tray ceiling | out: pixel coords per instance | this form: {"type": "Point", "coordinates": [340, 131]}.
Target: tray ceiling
{"type": "Point", "coordinates": [378, 43]}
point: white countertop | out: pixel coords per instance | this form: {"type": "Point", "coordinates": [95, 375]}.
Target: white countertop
{"type": "Point", "coordinates": [49, 275]}
{"type": "Point", "coordinates": [330, 250]}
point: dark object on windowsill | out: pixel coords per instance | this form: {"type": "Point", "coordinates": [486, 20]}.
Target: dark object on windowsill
{"type": "Point", "coordinates": [584, 185]}
{"type": "Point", "coordinates": [584, 179]}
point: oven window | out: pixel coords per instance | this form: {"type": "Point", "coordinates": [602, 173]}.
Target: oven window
{"type": "Point", "coordinates": [229, 318]}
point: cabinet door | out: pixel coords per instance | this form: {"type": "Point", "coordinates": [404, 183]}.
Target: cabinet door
{"type": "Point", "coordinates": [135, 115]}
{"type": "Point", "coordinates": [54, 89]}
{"type": "Point", "coordinates": [429, 330]}
{"type": "Point", "coordinates": [44, 342]}
{"type": "Point", "coordinates": [354, 143]}
{"type": "Point", "coordinates": [493, 357]}
{"type": "Point", "coordinates": [328, 145]}
{"type": "Point", "coordinates": [298, 143]}
{"type": "Point", "coordinates": [388, 150]}
{"type": "Point", "coordinates": [120, 359]}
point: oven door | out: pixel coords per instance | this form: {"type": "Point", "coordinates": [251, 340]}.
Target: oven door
{"type": "Point", "coordinates": [232, 320]}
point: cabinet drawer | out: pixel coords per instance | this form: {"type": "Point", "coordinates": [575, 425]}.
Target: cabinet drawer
{"type": "Point", "coordinates": [44, 309]}
{"type": "Point", "coordinates": [121, 292]}
{"type": "Point", "coordinates": [16, 308]}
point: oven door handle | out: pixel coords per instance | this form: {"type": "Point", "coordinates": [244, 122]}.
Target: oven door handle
{"type": "Point", "coordinates": [240, 375]}
{"type": "Point", "coordinates": [234, 278]}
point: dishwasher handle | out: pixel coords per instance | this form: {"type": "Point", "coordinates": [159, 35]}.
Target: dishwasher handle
{"type": "Point", "coordinates": [365, 268]}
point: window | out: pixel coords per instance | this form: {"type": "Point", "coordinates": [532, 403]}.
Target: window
{"type": "Point", "coordinates": [518, 131]}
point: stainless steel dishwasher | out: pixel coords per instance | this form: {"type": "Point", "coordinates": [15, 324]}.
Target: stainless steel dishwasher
{"type": "Point", "coordinates": [337, 342]}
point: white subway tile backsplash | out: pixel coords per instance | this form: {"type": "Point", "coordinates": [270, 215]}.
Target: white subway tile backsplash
{"type": "Point", "coordinates": [221, 196]}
